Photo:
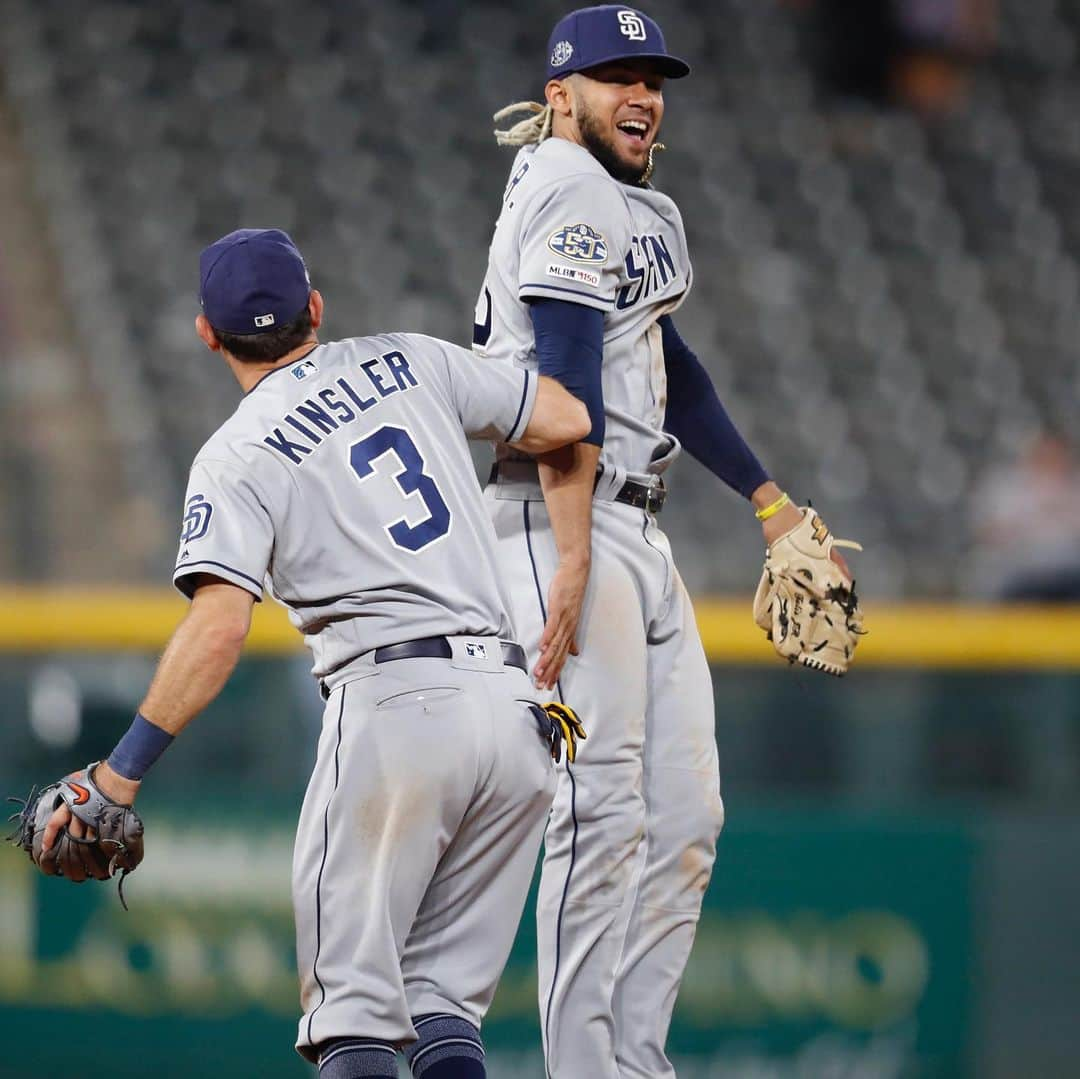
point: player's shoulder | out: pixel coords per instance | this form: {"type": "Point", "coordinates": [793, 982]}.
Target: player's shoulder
{"type": "Point", "coordinates": [229, 444]}
{"type": "Point", "coordinates": [422, 347]}
{"type": "Point", "coordinates": [658, 201]}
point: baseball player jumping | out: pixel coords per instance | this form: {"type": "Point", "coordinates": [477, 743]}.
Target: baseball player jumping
{"type": "Point", "coordinates": [343, 482]}
{"type": "Point", "coordinates": [587, 264]}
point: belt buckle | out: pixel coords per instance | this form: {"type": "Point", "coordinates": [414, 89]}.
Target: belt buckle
{"type": "Point", "coordinates": [654, 498]}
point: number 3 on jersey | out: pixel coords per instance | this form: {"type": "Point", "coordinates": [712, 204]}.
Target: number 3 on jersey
{"type": "Point", "coordinates": [411, 479]}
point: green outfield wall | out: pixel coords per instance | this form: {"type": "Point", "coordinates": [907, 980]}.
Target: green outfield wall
{"type": "Point", "coordinates": [827, 936]}
{"type": "Point", "coordinates": [897, 891]}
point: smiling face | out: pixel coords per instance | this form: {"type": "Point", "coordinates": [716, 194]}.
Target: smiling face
{"type": "Point", "coordinates": [614, 111]}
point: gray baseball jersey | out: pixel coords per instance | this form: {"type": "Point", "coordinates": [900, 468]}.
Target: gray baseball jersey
{"type": "Point", "coordinates": [568, 231]}
{"type": "Point", "coordinates": [632, 834]}
{"type": "Point", "coordinates": [344, 482]}
{"type": "Point", "coordinates": [359, 433]}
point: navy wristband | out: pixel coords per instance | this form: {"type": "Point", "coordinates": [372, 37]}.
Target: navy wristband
{"type": "Point", "coordinates": [136, 752]}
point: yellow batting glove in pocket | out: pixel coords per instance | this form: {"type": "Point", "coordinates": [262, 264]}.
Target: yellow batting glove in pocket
{"type": "Point", "coordinates": [565, 727]}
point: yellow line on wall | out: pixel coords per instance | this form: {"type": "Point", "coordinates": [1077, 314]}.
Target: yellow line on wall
{"type": "Point", "coordinates": [919, 635]}
{"type": "Point", "coordinates": [117, 619]}
{"type": "Point", "coordinates": [900, 635]}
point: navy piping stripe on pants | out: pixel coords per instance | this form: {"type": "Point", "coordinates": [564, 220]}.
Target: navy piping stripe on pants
{"type": "Point", "coordinates": [322, 866]}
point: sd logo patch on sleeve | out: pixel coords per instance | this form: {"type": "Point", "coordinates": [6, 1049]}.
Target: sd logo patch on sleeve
{"type": "Point", "coordinates": [197, 516]}
{"type": "Point", "coordinates": [580, 243]}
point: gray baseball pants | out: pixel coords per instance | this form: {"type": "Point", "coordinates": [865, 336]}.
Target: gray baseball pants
{"type": "Point", "coordinates": [416, 844]}
{"type": "Point", "coordinates": [631, 841]}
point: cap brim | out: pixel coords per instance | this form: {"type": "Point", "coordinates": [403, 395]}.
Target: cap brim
{"type": "Point", "coordinates": [671, 67]}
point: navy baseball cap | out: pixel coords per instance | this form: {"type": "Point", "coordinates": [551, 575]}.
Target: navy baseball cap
{"type": "Point", "coordinates": [592, 36]}
{"type": "Point", "coordinates": [252, 281]}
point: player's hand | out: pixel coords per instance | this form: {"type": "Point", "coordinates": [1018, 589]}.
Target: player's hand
{"type": "Point", "coordinates": [788, 518]}
{"type": "Point", "coordinates": [559, 639]}
{"type": "Point", "coordinates": [780, 524]}
{"type": "Point", "coordinates": [63, 816]}
{"type": "Point", "coordinates": [116, 787]}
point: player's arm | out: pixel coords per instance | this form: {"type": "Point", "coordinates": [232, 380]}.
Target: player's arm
{"type": "Point", "coordinates": [567, 478]}
{"type": "Point", "coordinates": [196, 664]}
{"type": "Point", "coordinates": [697, 418]}
{"type": "Point", "coordinates": [558, 418]}
{"type": "Point", "coordinates": [201, 654]}
{"type": "Point", "coordinates": [227, 526]}
{"type": "Point", "coordinates": [568, 275]}
{"type": "Point", "coordinates": [569, 348]}
{"type": "Point", "coordinates": [558, 423]}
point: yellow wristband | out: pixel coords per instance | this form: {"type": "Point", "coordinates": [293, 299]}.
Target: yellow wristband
{"type": "Point", "coordinates": [773, 509]}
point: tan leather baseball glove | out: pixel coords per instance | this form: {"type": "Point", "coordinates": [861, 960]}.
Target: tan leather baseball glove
{"type": "Point", "coordinates": [805, 603]}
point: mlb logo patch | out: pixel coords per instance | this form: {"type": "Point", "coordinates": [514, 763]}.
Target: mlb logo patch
{"type": "Point", "coordinates": [302, 370]}
{"type": "Point", "coordinates": [262, 321]}
{"type": "Point", "coordinates": [476, 650]}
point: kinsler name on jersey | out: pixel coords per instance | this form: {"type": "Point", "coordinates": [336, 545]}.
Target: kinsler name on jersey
{"type": "Point", "coordinates": [387, 374]}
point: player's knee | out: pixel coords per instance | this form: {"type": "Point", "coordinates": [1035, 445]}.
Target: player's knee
{"type": "Point", "coordinates": [610, 835]}
{"type": "Point", "coordinates": [699, 831]}
{"type": "Point", "coordinates": [717, 814]}
{"type": "Point", "coordinates": [447, 1047]}
{"type": "Point", "coordinates": [694, 821]}
{"type": "Point", "coordinates": [705, 819]}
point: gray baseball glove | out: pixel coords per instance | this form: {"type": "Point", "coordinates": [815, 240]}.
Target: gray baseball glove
{"type": "Point", "coordinates": [113, 840]}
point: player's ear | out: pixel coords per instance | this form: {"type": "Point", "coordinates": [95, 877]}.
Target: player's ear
{"type": "Point", "coordinates": [206, 333]}
{"type": "Point", "coordinates": [315, 308]}
{"type": "Point", "coordinates": [559, 97]}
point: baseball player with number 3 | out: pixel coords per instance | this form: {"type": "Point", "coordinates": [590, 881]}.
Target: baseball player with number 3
{"type": "Point", "coordinates": [587, 265]}
{"type": "Point", "coordinates": [343, 482]}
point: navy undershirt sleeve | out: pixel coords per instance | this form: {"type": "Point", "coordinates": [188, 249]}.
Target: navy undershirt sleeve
{"type": "Point", "coordinates": [570, 349]}
{"type": "Point", "coordinates": [700, 422]}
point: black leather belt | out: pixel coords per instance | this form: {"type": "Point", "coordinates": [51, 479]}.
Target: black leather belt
{"type": "Point", "coordinates": [513, 655]}
{"type": "Point", "coordinates": [643, 496]}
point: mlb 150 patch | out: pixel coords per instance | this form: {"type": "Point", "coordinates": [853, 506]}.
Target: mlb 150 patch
{"type": "Point", "coordinates": [579, 243]}
{"type": "Point", "coordinates": [573, 273]}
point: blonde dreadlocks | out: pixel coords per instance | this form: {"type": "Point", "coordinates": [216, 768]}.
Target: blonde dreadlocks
{"type": "Point", "coordinates": [534, 128]}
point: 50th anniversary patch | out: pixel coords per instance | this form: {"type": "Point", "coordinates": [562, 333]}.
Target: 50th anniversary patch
{"type": "Point", "coordinates": [579, 243]}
